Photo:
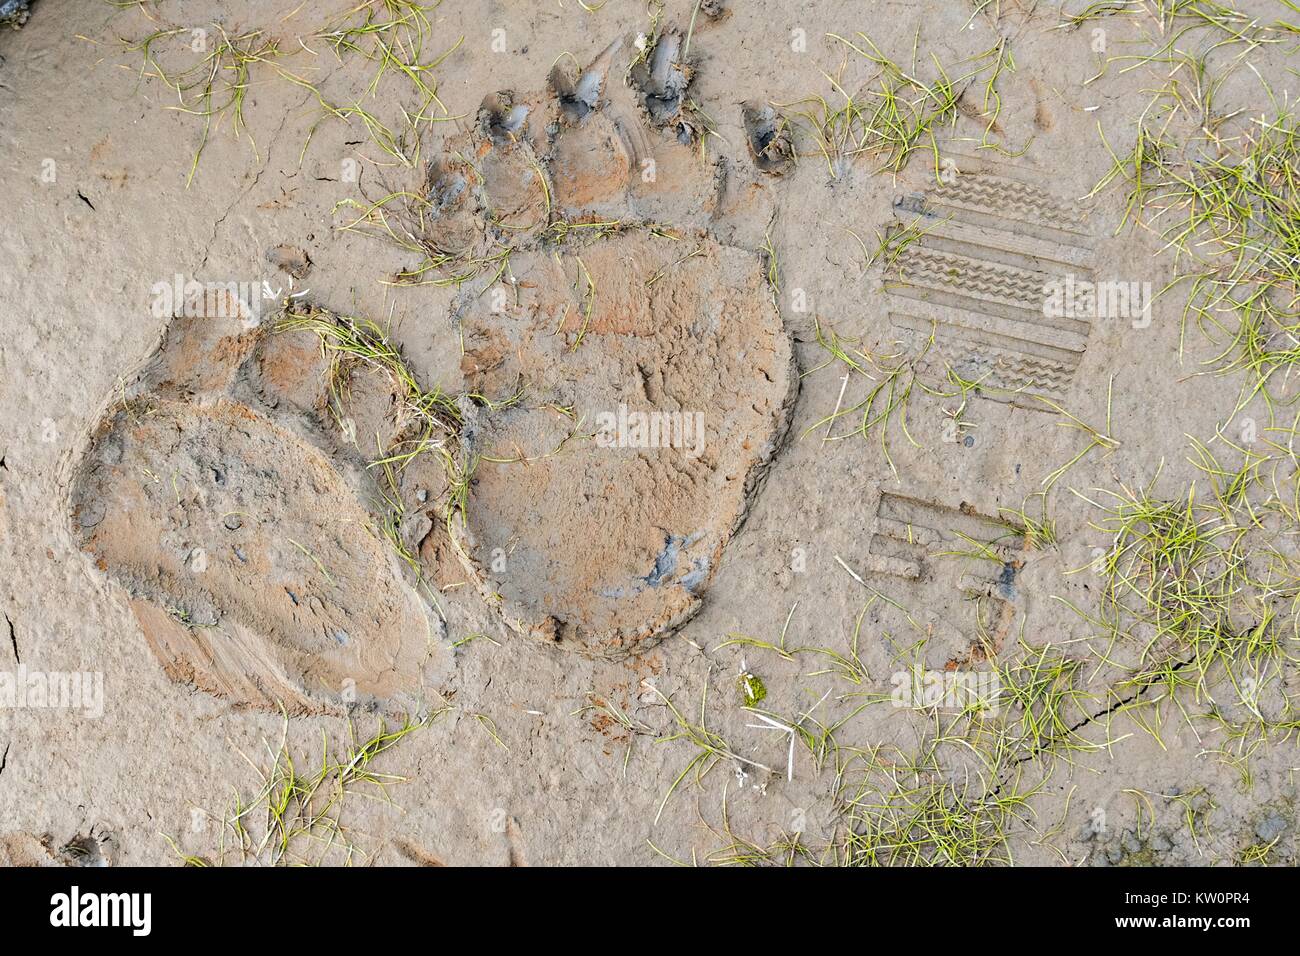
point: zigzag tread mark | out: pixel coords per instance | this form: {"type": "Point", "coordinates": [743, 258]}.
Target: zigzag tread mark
{"type": "Point", "coordinates": [1000, 196]}
{"type": "Point", "coordinates": [1006, 283]}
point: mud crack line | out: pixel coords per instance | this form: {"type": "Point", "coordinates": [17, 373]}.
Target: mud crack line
{"type": "Point", "coordinates": [1076, 727]}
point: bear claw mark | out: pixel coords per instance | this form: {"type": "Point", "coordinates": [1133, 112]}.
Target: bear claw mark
{"type": "Point", "coordinates": [579, 99]}
{"type": "Point", "coordinates": [770, 141]}
{"type": "Point", "coordinates": [664, 80]}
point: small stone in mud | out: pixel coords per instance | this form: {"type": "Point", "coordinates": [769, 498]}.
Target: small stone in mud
{"type": "Point", "coordinates": [1271, 827]}
{"type": "Point", "coordinates": [111, 450]}
{"type": "Point", "coordinates": [14, 13]}
{"type": "Point", "coordinates": [233, 522]}
{"type": "Point", "coordinates": [415, 528]}
{"type": "Point", "coordinates": [91, 513]}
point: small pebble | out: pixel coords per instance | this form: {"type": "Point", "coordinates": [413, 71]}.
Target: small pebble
{"type": "Point", "coordinates": [415, 528]}
{"type": "Point", "coordinates": [111, 451]}
{"type": "Point", "coordinates": [91, 513]}
{"type": "Point", "coordinates": [1271, 827]}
